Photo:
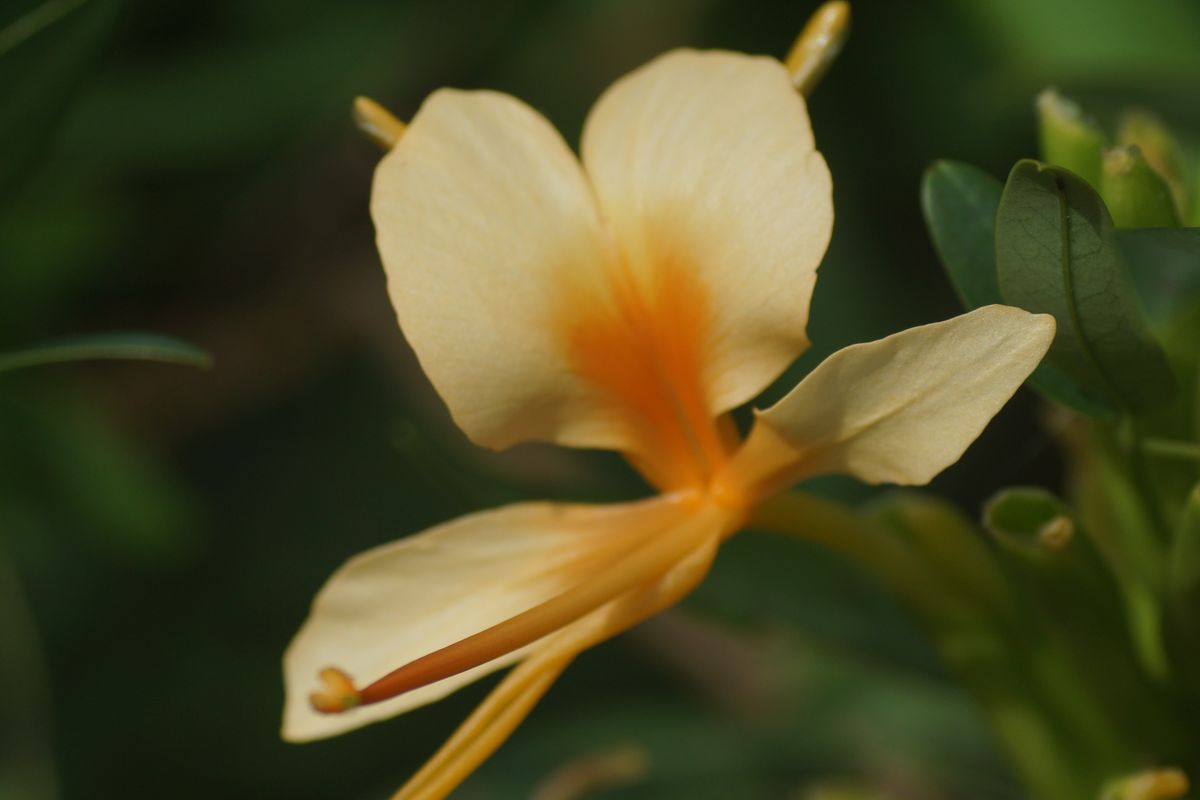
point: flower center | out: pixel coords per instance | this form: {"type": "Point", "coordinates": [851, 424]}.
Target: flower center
{"type": "Point", "coordinates": [645, 347]}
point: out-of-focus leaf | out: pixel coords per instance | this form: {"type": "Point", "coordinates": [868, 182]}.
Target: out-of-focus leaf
{"type": "Point", "coordinates": [1055, 255]}
{"type": "Point", "coordinates": [67, 477]}
{"type": "Point", "coordinates": [108, 347]}
{"type": "Point", "coordinates": [960, 203]}
{"type": "Point", "coordinates": [1130, 41]}
{"type": "Point", "coordinates": [45, 49]}
{"type": "Point", "coordinates": [1183, 574]}
{"type": "Point", "coordinates": [1165, 266]}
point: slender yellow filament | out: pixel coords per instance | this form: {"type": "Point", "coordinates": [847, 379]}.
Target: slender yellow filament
{"type": "Point", "coordinates": [494, 720]}
{"type": "Point", "coordinates": [379, 124]}
{"type": "Point", "coordinates": [438, 779]}
{"type": "Point", "coordinates": [642, 564]}
{"type": "Point", "coordinates": [818, 45]}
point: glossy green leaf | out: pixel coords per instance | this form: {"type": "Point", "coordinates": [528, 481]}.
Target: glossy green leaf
{"type": "Point", "coordinates": [108, 347]}
{"type": "Point", "coordinates": [960, 203]}
{"type": "Point", "coordinates": [45, 49]}
{"type": "Point", "coordinates": [1055, 254]}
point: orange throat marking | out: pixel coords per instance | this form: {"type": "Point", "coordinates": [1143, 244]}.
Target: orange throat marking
{"type": "Point", "coordinates": [645, 348]}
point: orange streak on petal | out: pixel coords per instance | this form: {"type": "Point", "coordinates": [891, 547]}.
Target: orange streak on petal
{"type": "Point", "coordinates": [645, 349]}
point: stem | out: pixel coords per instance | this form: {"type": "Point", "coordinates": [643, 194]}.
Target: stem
{"type": "Point", "coordinates": [840, 529]}
{"type": "Point", "coordinates": [1172, 448]}
{"type": "Point", "coordinates": [1139, 468]}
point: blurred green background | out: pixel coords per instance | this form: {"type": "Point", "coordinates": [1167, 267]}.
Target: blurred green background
{"type": "Point", "coordinates": [191, 168]}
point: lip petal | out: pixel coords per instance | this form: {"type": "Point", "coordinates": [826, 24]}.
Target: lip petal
{"type": "Point", "coordinates": [399, 602]}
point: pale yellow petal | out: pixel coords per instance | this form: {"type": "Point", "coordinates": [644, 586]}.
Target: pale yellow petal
{"type": "Point", "coordinates": [508, 704]}
{"type": "Point", "coordinates": [898, 410]}
{"type": "Point", "coordinates": [394, 604]}
{"type": "Point", "coordinates": [488, 231]}
{"type": "Point", "coordinates": [704, 164]}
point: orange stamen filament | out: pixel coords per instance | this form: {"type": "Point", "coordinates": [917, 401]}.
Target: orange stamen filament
{"type": "Point", "coordinates": [642, 564]}
{"type": "Point", "coordinates": [510, 702]}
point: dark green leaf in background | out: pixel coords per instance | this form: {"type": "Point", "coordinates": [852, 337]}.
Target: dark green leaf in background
{"type": "Point", "coordinates": [1165, 266]}
{"type": "Point", "coordinates": [106, 347]}
{"type": "Point", "coordinates": [45, 49]}
{"type": "Point", "coordinates": [1055, 254]}
{"type": "Point", "coordinates": [960, 203]}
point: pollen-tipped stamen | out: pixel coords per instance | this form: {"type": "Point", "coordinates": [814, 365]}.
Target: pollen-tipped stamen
{"type": "Point", "coordinates": [338, 694]}
{"type": "Point", "coordinates": [818, 45]}
{"type": "Point", "coordinates": [492, 722]}
{"type": "Point", "coordinates": [380, 125]}
{"type": "Point", "coordinates": [641, 565]}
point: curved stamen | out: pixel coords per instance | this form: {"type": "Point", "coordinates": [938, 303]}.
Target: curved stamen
{"type": "Point", "coordinates": [509, 703]}
{"type": "Point", "coordinates": [642, 564]}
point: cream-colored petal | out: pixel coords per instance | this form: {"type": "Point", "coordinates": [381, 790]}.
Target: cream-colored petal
{"type": "Point", "coordinates": [704, 164]}
{"type": "Point", "coordinates": [508, 704]}
{"type": "Point", "coordinates": [489, 237]}
{"type": "Point", "coordinates": [396, 603]}
{"type": "Point", "coordinates": [898, 410]}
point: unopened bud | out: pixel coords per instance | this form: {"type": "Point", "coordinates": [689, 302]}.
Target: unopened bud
{"type": "Point", "coordinates": [1056, 534]}
{"type": "Point", "coordinates": [1154, 784]}
{"type": "Point", "coordinates": [1161, 151]}
{"type": "Point", "coordinates": [1069, 138]}
{"type": "Point", "coordinates": [1136, 195]}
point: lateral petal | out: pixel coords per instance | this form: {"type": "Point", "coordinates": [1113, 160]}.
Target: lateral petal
{"type": "Point", "coordinates": [897, 410]}
{"type": "Point", "coordinates": [393, 604]}
{"type": "Point", "coordinates": [487, 229]}
{"type": "Point", "coordinates": [704, 165]}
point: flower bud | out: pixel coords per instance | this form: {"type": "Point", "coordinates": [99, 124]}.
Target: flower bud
{"type": "Point", "coordinates": [1160, 149]}
{"type": "Point", "coordinates": [1136, 195]}
{"type": "Point", "coordinates": [1069, 138]}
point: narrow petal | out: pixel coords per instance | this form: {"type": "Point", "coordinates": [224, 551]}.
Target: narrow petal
{"type": "Point", "coordinates": [508, 704]}
{"type": "Point", "coordinates": [487, 230]}
{"type": "Point", "coordinates": [898, 410]}
{"type": "Point", "coordinates": [703, 163]}
{"type": "Point", "coordinates": [394, 604]}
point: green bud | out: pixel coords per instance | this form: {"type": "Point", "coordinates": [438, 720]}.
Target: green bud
{"type": "Point", "coordinates": [1069, 138]}
{"type": "Point", "coordinates": [1153, 784]}
{"type": "Point", "coordinates": [1161, 149]}
{"type": "Point", "coordinates": [1137, 196]}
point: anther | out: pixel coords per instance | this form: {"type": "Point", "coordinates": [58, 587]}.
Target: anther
{"type": "Point", "coordinates": [380, 125]}
{"type": "Point", "coordinates": [818, 45]}
{"type": "Point", "coordinates": [338, 693]}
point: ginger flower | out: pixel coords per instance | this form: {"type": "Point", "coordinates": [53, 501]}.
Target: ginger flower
{"type": "Point", "coordinates": [627, 302]}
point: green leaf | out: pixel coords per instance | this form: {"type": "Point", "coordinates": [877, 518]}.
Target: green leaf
{"type": "Point", "coordinates": [960, 204]}
{"type": "Point", "coordinates": [45, 50]}
{"type": "Point", "coordinates": [107, 347]}
{"type": "Point", "coordinates": [1165, 265]}
{"type": "Point", "coordinates": [1055, 254]}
